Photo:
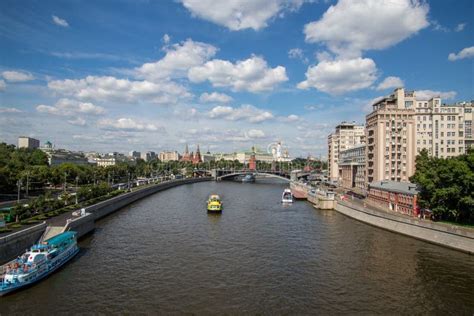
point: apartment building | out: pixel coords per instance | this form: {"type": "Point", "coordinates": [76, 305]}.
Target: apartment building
{"type": "Point", "coordinates": [28, 142]}
{"type": "Point", "coordinates": [169, 156]}
{"type": "Point", "coordinates": [346, 135]}
{"type": "Point", "coordinates": [352, 169]}
{"type": "Point", "coordinates": [391, 139]}
{"type": "Point", "coordinates": [443, 130]}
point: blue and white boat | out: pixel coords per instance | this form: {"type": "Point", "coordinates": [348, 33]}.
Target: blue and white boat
{"type": "Point", "coordinates": [37, 263]}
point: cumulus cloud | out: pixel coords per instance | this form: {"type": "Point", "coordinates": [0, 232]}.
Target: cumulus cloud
{"type": "Point", "coordinates": [390, 82]}
{"type": "Point", "coordinates": [58, 21]}
{"type": "Point", "coordinates": [245, 112]}
{"type": "Point", "coordinates": [292, 118]}
{"type": "Point", "coordinates": [251, 75]}
{"type": "Point", "coordinates": [256, 133]}
{"type": "Point", "coordinates": [17, 76]}
{"type": "Point", "coordinates": [124, 90]}
{"type": "Point", "coordinates": [241, 14]}
{"type": "Point", "coordinates": [460, 27]}
{"type": "Point", "coordinates": [428, 94]}
{"type": "Point", "coordinates": [126, 124]}
{"type": "Point", "coordinates": [79, 121]}
{"type": "Point", "coordinates": [350, 27]}
{"type": "Point", "coordinates": [297, 53]}
{"type": "Point", "coordinates": [67, 107]}
{"type": "Point", "coordinates": [215, 97]}
{"type": "Point", "coordinates": [177, 60]}
{"type": "Point", "coordinates": [3, 85]}
{"type": "Point", "coordinates": [340, 76]}
{"type": "Point", "coordinates": [467, 52]}
{"type": "Point", "coordinates": [10, 110]}
{"type": "Point", "coordinates": [166, 38]}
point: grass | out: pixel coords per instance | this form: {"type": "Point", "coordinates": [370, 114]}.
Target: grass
{"type": "Point", "coordinates": [458, 224]}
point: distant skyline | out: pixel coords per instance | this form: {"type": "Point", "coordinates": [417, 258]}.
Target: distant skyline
{"type": "Point", "coordinates": [155, 75]}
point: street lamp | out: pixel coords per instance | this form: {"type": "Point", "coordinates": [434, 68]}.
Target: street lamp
{"type": "Point", "coordinates": [18, 183]}
{"type": "Point", "coordinates": [77, 180]}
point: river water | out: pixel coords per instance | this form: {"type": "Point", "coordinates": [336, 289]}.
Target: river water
{"type": "Point", "coordinates": [166, 255]}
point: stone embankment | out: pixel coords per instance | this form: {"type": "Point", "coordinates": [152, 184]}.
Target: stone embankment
{"type": "Point", "coordinates": [14, 244]}
{"type": "Point", "coordinates": [451, 236]}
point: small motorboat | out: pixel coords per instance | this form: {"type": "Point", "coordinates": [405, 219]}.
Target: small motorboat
{"type": "Point", "coordinates": [214, 203]}
{"type": "Point", "coordinates": [287, 196]}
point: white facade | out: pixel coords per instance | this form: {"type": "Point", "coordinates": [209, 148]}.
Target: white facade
{"type": "Point", "coordinates": [169, 156]}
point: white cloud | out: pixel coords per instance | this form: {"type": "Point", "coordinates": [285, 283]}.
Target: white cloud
{"type": "Point", "coordinates": [438, 27]}
{"type": "Point", "coordinates": [17, 76]}
{"type": "Point", "coordinates": [67, 107]}
{"type": "Point", "coordinates": [255, 133]}
{"type": "Point", "coordinates": [245, 112]}
{"type": "Point", "coordinates": [215, 97]}
{"type": "Point", "coordinates": [10, 110]}
{"type": "Point", "coordinates": [350, 27]}
{"type": "Point", "coordinates": [58, 21]}
{"type": "Point", "coordinates": [178, 60]}
{"type": "Point", "coordinates": [241, 14]}
{"type": "Point", "coordinates": [460, 27]}
{"type": "Point", "coordinates": [390, 82]}
{"type": "Point", "coordinates": [126, 124]}
{"type": "Point", "coordinates": [251, 75]}
{"type": "Point", "coordinates": [79, 121]}
{"type": "Point", "coordinates": [428, 94]}
{"type": "Point", "coordinates": [166, 39]}
{"type": "Point", "coordinates": [292, 118]}
{"type": "Point", "coordinates": [122, 90]}
{"type": "Point", "coordinates": [3, 85]}
{"type": "Point", "coordinates": [467, 52]}
{"type": "Point", "coordinates": [297, 53]}
{"type": "Point", "coordinates": [340, 76]}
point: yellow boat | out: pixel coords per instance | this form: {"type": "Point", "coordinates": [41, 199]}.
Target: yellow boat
{"type": "Point", "coordinates": [214, 204]}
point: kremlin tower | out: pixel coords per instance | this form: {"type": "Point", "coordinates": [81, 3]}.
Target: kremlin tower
{"type": "Point", "coordinates": [197, 157]}
{"type": "Point", "coordinates": [191, 157]}
{"type": "Point", "coordinates": [187, 156]}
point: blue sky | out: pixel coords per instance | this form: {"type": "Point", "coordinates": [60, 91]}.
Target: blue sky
{"type": "Point", "coordinates": [154, 75]}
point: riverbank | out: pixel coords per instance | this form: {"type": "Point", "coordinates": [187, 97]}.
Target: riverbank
{"type": "Point", "coordinates": [14, 244]}
{"type": "Point", "coordinates": [450, 236]}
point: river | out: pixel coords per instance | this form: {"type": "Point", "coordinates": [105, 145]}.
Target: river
{"type": "Point", "coordinates": [165, 254]}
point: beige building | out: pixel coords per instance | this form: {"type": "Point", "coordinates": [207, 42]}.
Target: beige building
{"type": "Point", "coordinates": [169, 156]}
{"type": "Point", "coordinates": [28, 142]}
{"type": "Point", "coordinates": [352, 169]}
{"type": "Point", "coordinates": [346, 135]}
{"type": "Point", "coordinates": [443, 130]}
{"type": "Point", "coordinates": [391, 140]}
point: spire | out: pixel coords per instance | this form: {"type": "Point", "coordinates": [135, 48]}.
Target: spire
{"type": "Point", "coordinates": [197, 150]}
{"type": "Point", "coordinates": [186, 150]}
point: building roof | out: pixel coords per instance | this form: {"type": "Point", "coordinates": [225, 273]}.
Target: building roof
{"type": "Point", "coordinates": [393, 186]}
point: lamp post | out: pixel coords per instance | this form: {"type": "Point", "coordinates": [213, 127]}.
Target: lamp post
{"type": "Point", "coordinates": [18, 183]}
{"type": "Point", "coordinates": [77, 180]}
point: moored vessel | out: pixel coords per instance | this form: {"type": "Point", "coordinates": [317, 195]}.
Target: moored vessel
{"type": "Point", "coordinates": [287, 196]}
{"type": "Point", "coordinates": [37, 263]}
{"type": "Point", "coordinates": [214, 203]}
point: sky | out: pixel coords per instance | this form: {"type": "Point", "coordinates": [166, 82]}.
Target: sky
{"type": "Point", "coordinates": [155, 75]}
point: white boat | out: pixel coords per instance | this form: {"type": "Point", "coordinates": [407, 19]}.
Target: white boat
{"type": "Point", "coordinates": [287, 196]}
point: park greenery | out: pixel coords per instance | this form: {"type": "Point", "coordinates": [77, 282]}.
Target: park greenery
{"type": "Point", "coordinates": [55, 188]}
{"type": "Point", "coordinates": [446, 186]}
{"type": "Point", "coordinates": [29, 168]}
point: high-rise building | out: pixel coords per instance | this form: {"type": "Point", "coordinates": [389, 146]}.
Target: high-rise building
{"type": "Point", "coordinates": [391, 140]}
{"type": "Point", "coordinates": [443, 130]}
{"type": "Point", "coordinates": [169, 156]}
{"type": "Point", "coordinates": [148, 156]}
{"type": "Point", "coordinates": [134, 154]}
{"type": "Point", "coordinates": [352, 169]}
{"type": "Point", "coordinates": [28, 142]}
{"type": "Point", "coordinates": [346, 135]}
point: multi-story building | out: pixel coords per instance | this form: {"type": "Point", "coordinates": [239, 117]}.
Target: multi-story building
{"type": "Point", "coordinates": [352, 169]}
{"type": "Point", "coordinates": [391, 138]}
{"type": "Point", "coordinates": [148, 156]}
{"type": "Point", "coordinates": [169, 156]}
{"type": "Point", "coordinates": [443, 130]}
{"type": "Point", "coordinates": [28, 142]}
{"type": "Point", "coordinates": [347, 135]}
{"type": "Point", "coordinates": [396, 196]}
{"type": "Point", "coordinates": [134, 154]}
{"type": "Point", "coordinates": [468, 120]}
